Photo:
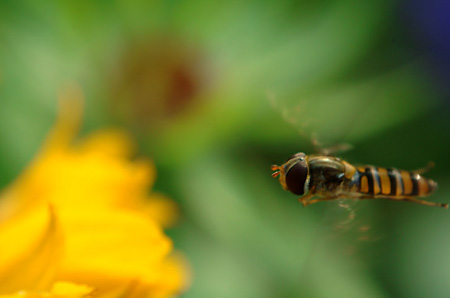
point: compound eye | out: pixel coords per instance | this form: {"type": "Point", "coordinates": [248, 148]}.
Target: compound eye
{"type": "Point", "coordinates": [296, 178]}
{"type": "Point", "coordinates": [301, 156]}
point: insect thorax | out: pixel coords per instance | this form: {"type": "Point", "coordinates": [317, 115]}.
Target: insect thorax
{"type": "Point", "coordinates": [326, 175]}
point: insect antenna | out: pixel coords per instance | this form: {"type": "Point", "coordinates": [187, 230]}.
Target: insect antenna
{"type": "Point", "coordinates": [276, 169]}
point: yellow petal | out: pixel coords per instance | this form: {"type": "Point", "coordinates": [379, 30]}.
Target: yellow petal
{"type": "Point", "coordinates": [30, 252]}
{"type": "Point", "coordinates": [114, 143]}
{"type": "Point", "coordinates": [68, 121]}
{"type": "Point", "coordinates": [167, 279]}
{"type": "Point", "coordinates": [27, 189]}
{"type": "Point", "coordinates": [67, 289]}
{"type": "Point", "coordinates": [158, 207]}
{"type": "Point", "coordinates": [174, 277]}
{"type": "Point", "coordinates": [108, 248]}
{"type": "Point", "coordinates": [59, 290]}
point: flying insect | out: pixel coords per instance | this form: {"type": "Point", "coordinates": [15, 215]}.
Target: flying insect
{"type": "Point", "coordinates": [318, 178]}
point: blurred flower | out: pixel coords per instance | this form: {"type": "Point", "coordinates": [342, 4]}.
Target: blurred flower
{"type": "Point", "coordinates": [58, 290]}
{"type": "Point", "coordinates": [81, 213]}
{"type": "Point", "coordinates": [156, 80]}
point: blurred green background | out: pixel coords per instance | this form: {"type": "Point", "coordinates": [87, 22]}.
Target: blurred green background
{"type": "Point", "coordinates": [216, 92]}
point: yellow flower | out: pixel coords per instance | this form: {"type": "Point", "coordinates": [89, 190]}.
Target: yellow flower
{"type": "Point", "coordinates": [81, 213]}
{"type": "Point", "coordinates": [58, 290]}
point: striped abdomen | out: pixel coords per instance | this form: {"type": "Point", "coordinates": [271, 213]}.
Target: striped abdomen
{"type": "Point", "coordinates": [391, 182]}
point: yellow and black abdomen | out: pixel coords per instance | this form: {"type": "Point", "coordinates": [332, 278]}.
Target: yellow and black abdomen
{"type": "Point", "coordinates": [382, 182]}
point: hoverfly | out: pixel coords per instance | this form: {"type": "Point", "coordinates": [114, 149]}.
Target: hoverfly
{"type": "Point", "coordinates": [329, 178]}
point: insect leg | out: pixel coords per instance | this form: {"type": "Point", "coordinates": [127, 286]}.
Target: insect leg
{"type": "Point", "coordinates": [323, 199]}
{"type": "Point", "coordinates": [304, 200]}
{"type": "Point", "coordinates": [443, 205]}
{"type": "Point", "coordinates": [409, 199]}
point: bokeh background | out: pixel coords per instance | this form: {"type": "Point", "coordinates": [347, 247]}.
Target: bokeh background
{"type": "Point", "coordinates": [216, 92]}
